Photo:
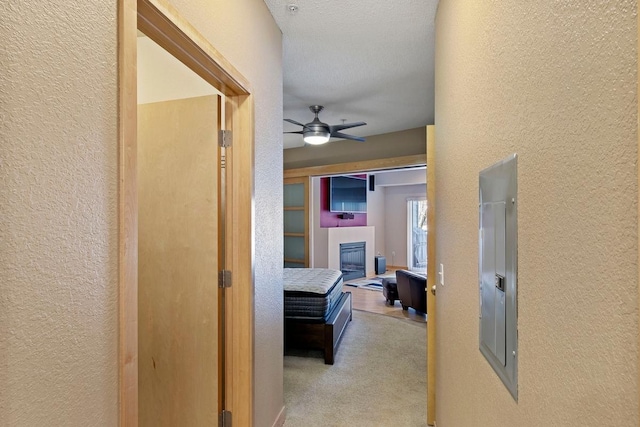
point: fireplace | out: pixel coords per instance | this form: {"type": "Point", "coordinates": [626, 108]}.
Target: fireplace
{"type": "Point", "coordinates": [352, 260]}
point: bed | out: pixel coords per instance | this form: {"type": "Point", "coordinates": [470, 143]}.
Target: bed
{"type": "Point", "coordinates": [316, 309]}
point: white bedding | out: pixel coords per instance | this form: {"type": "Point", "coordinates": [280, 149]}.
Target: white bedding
{"type": "Point", "coordinates": [314, 280]}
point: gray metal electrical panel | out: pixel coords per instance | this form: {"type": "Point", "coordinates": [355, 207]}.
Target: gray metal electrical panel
{"type": "Point", "coordinates": [498, 272]}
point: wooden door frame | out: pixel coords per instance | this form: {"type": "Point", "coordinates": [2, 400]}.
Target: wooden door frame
{"type": "Point", "coordinates": [358, 166]}
{"type": "Point", "coordinates": [163, 24]}
{"type": "Point", "coordinates": [431, 276]}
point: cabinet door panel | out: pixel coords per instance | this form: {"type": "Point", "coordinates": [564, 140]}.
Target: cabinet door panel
{"type": "Point", "coordinates": [294, 195]}
{"type": "Point", "coordinates": [296, 222]}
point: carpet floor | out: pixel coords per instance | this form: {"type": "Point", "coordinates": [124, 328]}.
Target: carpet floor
{"type": "Point", "coordinates": [378, 379]}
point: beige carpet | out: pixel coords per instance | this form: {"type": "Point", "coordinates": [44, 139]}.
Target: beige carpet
{"type": "Point", "coordinates": [378, 379]}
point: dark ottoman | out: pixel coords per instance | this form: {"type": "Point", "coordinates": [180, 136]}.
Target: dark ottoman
{"type": "Point", "coordinates": [390, 289]}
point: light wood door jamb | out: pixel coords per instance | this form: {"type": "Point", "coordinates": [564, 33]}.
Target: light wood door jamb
{"type": "Point", "coordinates": [431, 276]}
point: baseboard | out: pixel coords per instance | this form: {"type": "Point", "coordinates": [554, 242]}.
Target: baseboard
{"type": "Point", "coordinates": [280, 419]}
{"type": "Point", "coordinates": [397, 267]}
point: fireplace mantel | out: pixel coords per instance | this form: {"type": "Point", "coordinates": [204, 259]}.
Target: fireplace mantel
{"type": "Point", "coordinates": [339, 235]}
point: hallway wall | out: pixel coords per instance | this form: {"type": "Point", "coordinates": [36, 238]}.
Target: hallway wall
{"type": "Point", "coordinates": [58, 220]}
{"type": "Point", "coordinates": [554, 82]}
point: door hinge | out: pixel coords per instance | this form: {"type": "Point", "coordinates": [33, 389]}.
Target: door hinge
{"type": "Point", "coordinates": [225, 138]}
{"type": "Point", "coordinates": [224, 279]}
{"type": "Point", "coordinates": [225, 419]}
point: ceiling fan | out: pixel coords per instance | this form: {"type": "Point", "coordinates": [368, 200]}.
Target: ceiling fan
{"type": "Point", "coordinates": [317, 133]}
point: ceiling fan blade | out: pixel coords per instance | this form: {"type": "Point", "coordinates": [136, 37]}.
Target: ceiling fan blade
{"type": "Point", "coordinates": [294, 122]}
{"type": "Point", "coordinates": [298, 132]}
{"type": "Point", "coordinates": [345, 136]}
{"type": "Point", "coordinates": [336, 128]}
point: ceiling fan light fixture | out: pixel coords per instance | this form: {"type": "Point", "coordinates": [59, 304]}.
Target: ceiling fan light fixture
{"type": "Point", "coordinates": [316, 137]}
{"type": "Point", "coordinates": [317, 132]}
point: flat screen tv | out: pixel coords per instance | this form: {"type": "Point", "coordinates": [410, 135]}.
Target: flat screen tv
{"type": "Point", "coordinates": [347, 194]}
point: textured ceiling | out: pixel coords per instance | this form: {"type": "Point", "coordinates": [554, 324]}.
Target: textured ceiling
{"type": "Point", "coordinates": [368, 61]}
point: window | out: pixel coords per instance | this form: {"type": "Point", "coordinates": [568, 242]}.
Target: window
{"type": "Point", "coordinates": [417, 234]}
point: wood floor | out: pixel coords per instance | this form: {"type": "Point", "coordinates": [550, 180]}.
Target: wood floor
{"type": "Point", "coordinates": [374, 302]}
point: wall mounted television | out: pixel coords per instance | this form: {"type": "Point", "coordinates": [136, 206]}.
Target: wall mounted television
{"type": "Point", "coordinates": [348, 194]}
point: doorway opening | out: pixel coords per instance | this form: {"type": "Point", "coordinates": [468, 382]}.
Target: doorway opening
{"type": "Point", "coordinates": [162, 24]}
{"type": "Point", "coordinates": [386, 209]}
{"type": "Point", "coordinates": [179, 212]}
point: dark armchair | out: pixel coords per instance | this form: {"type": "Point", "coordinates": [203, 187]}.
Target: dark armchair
{"type": "Point", "coordinates": [412, 290]}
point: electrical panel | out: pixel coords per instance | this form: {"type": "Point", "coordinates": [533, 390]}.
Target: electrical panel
{"type": "Point", "coordinates": [498, 249]}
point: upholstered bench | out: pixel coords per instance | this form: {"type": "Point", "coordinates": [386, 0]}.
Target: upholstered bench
{"type": "Point", "coordinates": [390, 289]}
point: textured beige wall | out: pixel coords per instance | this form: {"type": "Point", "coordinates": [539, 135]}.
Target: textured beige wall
{"type": "Point", "coordinates": [245, 33]}
{"type": "Point", "coordinates": [58, 221]}
{"type": "Point", "coordinates": [395, 144]}
{"type": "Point", "coordinates": [58, 203]}
{"type": "Point", "coordinates": [554, 82]}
